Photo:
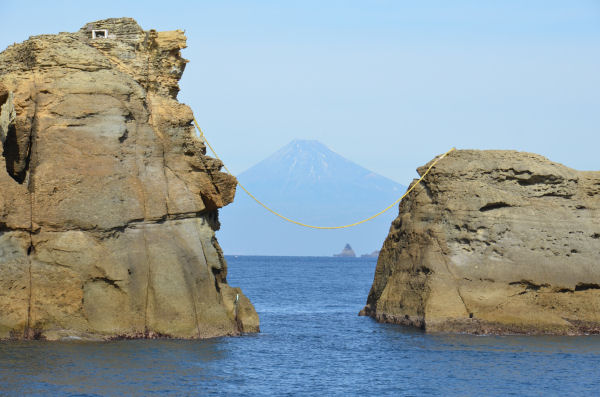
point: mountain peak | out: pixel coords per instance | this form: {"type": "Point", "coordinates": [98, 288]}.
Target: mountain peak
{"type": "Point", "coordinates": [300, 161]}
{"type": "Point", "coordinates": [307, 181]}
{"type": "Point", "coordinates": [308, 165]}
{"type": "Point", "coordinates": [306, 145]}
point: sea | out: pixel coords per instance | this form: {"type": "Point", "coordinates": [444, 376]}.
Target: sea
{"type": "Point", "coordinates": [312, 343]}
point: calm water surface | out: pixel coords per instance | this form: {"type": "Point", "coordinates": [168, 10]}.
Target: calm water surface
{"type": "Point", "coordinates": [312, 343]}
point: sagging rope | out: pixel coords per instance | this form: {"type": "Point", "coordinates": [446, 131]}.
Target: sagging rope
{"type": "Point", "coordinates": [313, 226]}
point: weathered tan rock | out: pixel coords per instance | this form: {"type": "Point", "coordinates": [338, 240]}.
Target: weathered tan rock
{"type": "Point", "coordinates": [494, 242]}
{"type": "Point", "coordinates": [108, 203]}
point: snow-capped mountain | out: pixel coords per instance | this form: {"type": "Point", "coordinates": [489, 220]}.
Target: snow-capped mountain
{"type": "Point", "coordinates": [308, 182]}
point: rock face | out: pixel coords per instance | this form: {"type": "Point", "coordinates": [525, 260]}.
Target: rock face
{"type": "Point", "coordinates": [494, 242]}
{"type": "Point", "coordinates": [108, 203]}
{"type": "Point", "coordinates": [347, 252]}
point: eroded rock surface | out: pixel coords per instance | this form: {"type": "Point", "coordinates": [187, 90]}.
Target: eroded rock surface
{"type": "Point", "coordinates": [494, 242]}
{"type": "Point", "coordinates": [108, 203]}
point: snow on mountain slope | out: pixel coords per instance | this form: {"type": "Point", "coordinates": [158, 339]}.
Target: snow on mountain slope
{"type": "Point", "coordinates": [308, 182]}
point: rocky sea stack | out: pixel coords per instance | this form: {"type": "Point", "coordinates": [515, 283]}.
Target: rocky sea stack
{"type": "Point", "coordinates": [108, 202]}
{"type": "Point", "coordinates": [494, 242]}
{"type": "Point", "coordinates": [347, 252]}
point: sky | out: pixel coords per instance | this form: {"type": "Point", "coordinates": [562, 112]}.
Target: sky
{"type": "Point", "coordinates": [387, 84]}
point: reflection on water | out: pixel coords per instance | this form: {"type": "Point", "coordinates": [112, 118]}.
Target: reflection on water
{"type": "Point", "coordinates": [313, 343]}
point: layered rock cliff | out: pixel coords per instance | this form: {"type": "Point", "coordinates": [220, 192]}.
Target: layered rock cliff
{"type": "Point", "coordinates": [494, 242]}
{"type": "Point", "coordinates": [108, 202]}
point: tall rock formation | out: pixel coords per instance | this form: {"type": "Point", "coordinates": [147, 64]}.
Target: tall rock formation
{"type": "Point", "coordinates": [108, 203]}
{"type": "Point", "coordinates": [494, 242]}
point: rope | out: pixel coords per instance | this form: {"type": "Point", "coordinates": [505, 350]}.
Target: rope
{"type": "Point", "coordinates": [203, 138]}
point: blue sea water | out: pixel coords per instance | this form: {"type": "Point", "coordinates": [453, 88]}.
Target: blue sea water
{"type": "Point", "coordinates": [313, 344]}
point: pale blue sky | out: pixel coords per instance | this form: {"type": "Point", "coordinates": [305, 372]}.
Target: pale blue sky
{"type": "Point", "coordinates": [388, 84]}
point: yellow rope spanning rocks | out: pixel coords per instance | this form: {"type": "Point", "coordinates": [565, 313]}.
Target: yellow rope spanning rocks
{"type": "Point", "coordinates": [322, 227]}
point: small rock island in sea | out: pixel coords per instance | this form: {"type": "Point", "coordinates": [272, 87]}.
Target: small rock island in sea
{"type": "Point", "coordinates": [108, 203]}
{"type": "Point", "coordinates": [373, 254]}
{"type": "Point", "coordinates": [494, 242]}
{"type": "Point", "coordinates": [347, 252]}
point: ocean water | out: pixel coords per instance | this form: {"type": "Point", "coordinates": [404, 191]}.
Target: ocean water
{"type": "Point", "coordinates": [312, 344]}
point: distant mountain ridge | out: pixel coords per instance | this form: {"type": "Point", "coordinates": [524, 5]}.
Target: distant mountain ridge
{"type": "Point", "coordinates": [307, 181]}
{"type": "Point", "coordinates": [302, 163]}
